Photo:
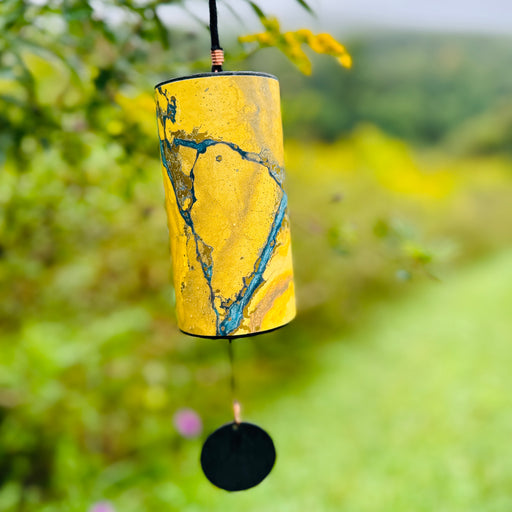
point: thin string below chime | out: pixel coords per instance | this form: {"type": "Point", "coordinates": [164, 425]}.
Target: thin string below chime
{"type": "Point", "coordinates": [217, 53]}
{"type": "Point", "coordinates": [232, 383]}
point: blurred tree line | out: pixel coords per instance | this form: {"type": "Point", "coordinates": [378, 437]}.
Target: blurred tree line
{"type": "Point", "coordinates": [426, 89]}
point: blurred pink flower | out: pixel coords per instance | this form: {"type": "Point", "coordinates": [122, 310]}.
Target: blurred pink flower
{"type": "Point", "coordinates": [102, 506]}
{"type": "Point", "coordinates": [188, 423]}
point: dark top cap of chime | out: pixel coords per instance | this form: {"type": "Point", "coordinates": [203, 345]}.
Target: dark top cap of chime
{"type": "Point", "coordinates": [238, 456]}
{"type": "Point", "coordinates": [216, 74]}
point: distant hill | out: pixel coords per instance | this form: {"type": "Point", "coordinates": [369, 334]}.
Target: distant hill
{"type": "Point", "coordinates": [418, 87]}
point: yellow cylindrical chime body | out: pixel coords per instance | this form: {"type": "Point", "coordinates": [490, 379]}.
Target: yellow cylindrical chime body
{"type": "Point", "coordinates": [221, 145]}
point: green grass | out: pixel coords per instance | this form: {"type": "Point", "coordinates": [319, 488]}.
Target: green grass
{"type": "Point", "coordinates": [411, 412]}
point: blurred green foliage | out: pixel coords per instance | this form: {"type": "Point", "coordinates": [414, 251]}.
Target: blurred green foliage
{"type": "Point", "coordinates": [410, 412]}
{"type": "Point", "coordinates": [92, 366]}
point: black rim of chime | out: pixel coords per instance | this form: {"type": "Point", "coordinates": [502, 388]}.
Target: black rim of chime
{"type": "Point", "coordinates": [236, 336]}
{"type": "Point", "coordinates": [214, 74]}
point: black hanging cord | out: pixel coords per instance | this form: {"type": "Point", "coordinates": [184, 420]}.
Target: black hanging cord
{"type": "Point", "coordinates": [217, 53]}
{"type": "Point", "coordinates": [214, 28]}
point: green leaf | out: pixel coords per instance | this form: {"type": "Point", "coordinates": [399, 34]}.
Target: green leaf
{"type": "Point", "coordinates": [7, 74]}
{"type": "Point", "coordinates": [257, 10]}
{"type": "Point", "coordinates": [193, 15]}
{"type": "Point", "coordinates": [161, 29]}
{"type": "Point", "coordinates": [78, 14]}
{"type": "Point", "coordinates": [11, 100]}
{"type": "Point", "coordinates": [234, 12]}
{"type": "Point", "coordinates": [48, 54]}
{"type": "Point", "coordinates": [306, 6]}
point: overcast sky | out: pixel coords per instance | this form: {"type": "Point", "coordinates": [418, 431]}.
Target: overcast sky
{"type": "Point", "coordinates": [480, 16]}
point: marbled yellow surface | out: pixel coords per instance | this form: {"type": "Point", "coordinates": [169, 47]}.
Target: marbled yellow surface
{"type": "Point", "coordinates": [221, 146]}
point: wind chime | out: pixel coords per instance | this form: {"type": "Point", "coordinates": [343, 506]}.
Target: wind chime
{"type": "Point", "coordinates": [221, 146]}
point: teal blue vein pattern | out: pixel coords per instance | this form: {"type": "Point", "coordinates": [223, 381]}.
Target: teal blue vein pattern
{"type": "Point", "coordinates": [184, 189]}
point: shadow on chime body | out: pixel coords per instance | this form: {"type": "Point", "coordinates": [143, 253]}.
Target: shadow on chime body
{"type": "Point", "coordinates": [221, 146]}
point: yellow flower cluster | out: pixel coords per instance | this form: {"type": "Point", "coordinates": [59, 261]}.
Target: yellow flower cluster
{"type": "Point", "coordinates": [290, 43]}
